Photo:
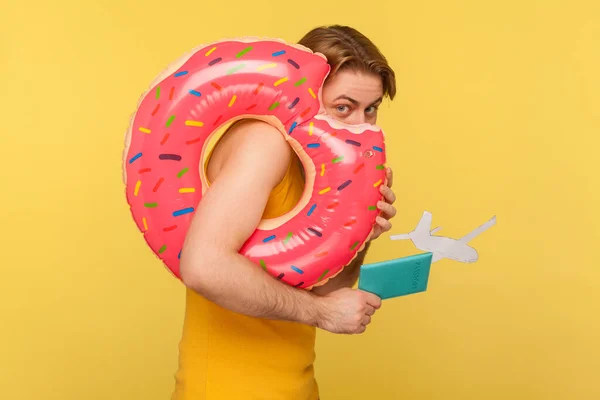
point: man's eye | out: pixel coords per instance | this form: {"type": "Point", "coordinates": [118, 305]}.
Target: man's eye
{"type": "Point", "coordinates": [342, 109]}
{"type": "Point", "coordinates": [371, 110]}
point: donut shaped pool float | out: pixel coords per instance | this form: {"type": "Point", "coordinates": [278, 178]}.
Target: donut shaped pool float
{"type": "Point", "coordinates": [267, 79]}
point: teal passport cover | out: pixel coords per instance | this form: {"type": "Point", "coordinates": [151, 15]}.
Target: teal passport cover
{"type": "Point", "coordinates": [394, 278]}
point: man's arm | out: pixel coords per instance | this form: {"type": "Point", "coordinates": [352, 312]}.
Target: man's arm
{"type": "Point", "coordinates": [228, 214]}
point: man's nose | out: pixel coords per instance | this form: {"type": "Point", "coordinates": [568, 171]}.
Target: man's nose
{"type": "Point", "coordinates": [357, 118]}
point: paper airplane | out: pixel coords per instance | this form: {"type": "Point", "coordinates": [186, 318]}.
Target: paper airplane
{"type": "Point", "coordinates": [444, 247]}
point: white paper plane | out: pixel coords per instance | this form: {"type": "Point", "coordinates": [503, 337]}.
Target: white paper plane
{"type": "Point", "coordinates": [444, 247]}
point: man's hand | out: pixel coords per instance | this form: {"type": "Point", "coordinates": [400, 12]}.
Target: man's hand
{"type": "Point", "coordinates": [347, 311]}
{"type": "Point", "coordinates": [388, 211]}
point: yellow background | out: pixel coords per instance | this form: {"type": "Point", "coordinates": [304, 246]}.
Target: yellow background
{"type": "Point", "coordinates": [498, 112]}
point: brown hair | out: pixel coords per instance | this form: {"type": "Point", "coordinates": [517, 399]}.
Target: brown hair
{"type": "Point", "coordinates": [345, 47]}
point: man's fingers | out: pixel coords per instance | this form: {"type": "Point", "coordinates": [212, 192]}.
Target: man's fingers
{"type": "Point", "coordinates": [388, 209]}
{"type": "Point", "coordinates": [388, 194]}
{"type": "Point", "coordinates": [366, 320]}
{"type": "Point", "coordinates": [389, 174]}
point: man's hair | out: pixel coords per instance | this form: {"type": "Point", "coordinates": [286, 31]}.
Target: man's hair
{"type": "Point", "coordinates": [347, 49]}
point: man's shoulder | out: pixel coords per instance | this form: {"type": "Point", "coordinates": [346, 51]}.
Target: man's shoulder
{"type": "Point", "coordinates": [250, 144]}
{"type": "Point", "coordinates": [256, 134]}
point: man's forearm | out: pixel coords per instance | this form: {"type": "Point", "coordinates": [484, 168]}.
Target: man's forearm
{"type": "Point", "coordinates": [239, 285]}
{"type": "Point", "coordinates": [346, 278]}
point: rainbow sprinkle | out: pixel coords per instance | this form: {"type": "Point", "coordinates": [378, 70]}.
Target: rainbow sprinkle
{"type": "Point", "coordinates": [195, 93]}
{"type": "Point", "coordinates": [337, 159]}
{"type": "Point", "coordinates": [313, 145]}
{"type": "Point", "coordinates": [162, 249]}
{"type": "Point", "coordinates": [268, 239]}
{"type": "Point", "coordinates": [303, 114]}
{"type": "Point", "coordinates": [282, 80]}
{"type": "Point", "coordinates": [311, 210]}
{"type": "Point", "coordinates": [208, 53]}
{"type": "Point", "coordinates": [158, 183]}
{"type": "Point", "coordinates": [296, 269]}
{"type": "Point", "coordinates": [187, 190]}
{"type": "Point", "coordinates": [263, 265]}
{"type": "Point", "coordinates": [132, 159]}
{"type": "Point", "coordinates": [354, 245]}
{"type": "Point", "coordinates": [183, 211]}
{"type": "Point", "coordinates": [379, 149]}
{"type": "Point", "coordinates": [312, 93]}
{"type": "Point", "coordinates": [145, 130]}
{"type": "Point", "coordinates": [194, 123]}
{"type": "Point", "coordinates": [377, 183]}
{"type": "Point", "coordinates": [323, 191]}
{"type": "Point", "coordinates": [150, 205]}
{"type": "Point", "coordinates": [137, 188]}
{"type": "Point", "coordinates": [344, 185]}
{"type": "Point", "coordinates": [288, 237]}
{"type": "Point", "coordinates": [300, 81]}
{"type": "Point", "coordinates": [258, 87]}
{"type": "Point", "coordinates": [181, 73]}
{"type": "Point", "coordinates": [293, 103]}
{"type": "Point", "coordinates": [266, 66]}
{"type": "Point", "coordinates": [157, 92]}
{"type": "Point", "coordinates": [182, 172]}
{"type": "Point", "coordinates": [145, 223]}
{"type": "Point", "coordinates": [310, 128]}
{"type": "Point", "coordinates": [278, 53]}
{"type": "Point", "coordinates": [241, 53]}
{"type": "Point", "coordinates": [235, 69]}
{"type": "Point", "coordinates": [174, 157]}
{"type": "Point", "coordinates": [315, 232]}
{"type": "Point", "coordinates": [293, 63]}
{"type": "Point", "coordinates": [232, 100]}
{"type": "Point", "coordinates": [323, 274]}
{"type": "Point", "coordinates": [216, 60]}
{"type": "Point", "coordinates": [322, 169]}
{"type": "Point", "coordinates": [170, 120]}
{"type": "Point", "coordinates": [274, 106]}
{"type": "Point", "coordinates": [292, 127]}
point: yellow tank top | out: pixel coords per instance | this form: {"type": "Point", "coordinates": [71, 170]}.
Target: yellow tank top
{"type": "Point", "coordinates": [228, 356]}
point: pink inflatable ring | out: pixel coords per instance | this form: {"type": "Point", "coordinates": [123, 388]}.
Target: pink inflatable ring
{"type": "Point", "coordinates": [278, 83]}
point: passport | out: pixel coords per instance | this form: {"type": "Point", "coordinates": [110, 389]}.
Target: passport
{"type": "Point", "coordinates": [398, 277]}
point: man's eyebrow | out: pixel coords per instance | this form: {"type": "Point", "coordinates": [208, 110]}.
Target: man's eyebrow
{"type": "Point", "coordinates": [355, 102]}
{"type": "Point", "coordinates": [344, 97]}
